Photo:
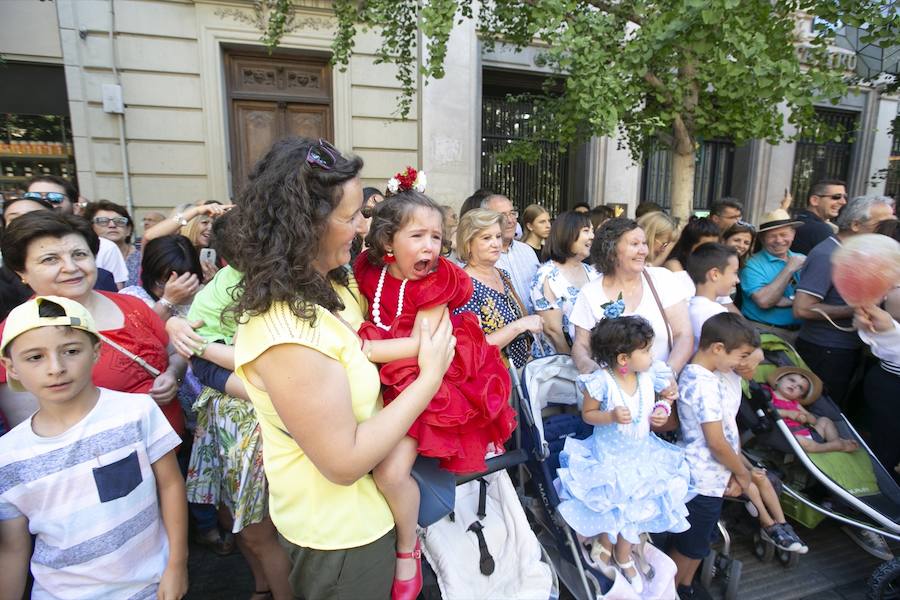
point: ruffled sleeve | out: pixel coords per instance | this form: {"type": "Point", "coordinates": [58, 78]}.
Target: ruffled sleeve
{"type": "Point", "coordinates": [597, 386]}
{"type": "Point", "coordinates": [663, 375]}
{"type": "Point", "coordinates": [538, 297]}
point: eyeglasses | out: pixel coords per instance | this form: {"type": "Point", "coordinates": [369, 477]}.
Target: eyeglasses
{"type": "Point", "coordinates": [120, 221]}
{"type": "Point", "coordinates": [513, 214]}
{"type": "Point", "coordinates": [836, 197]}
{"type": "Point", "coordinates": [322, 155]}
{"type": "Point", "coordinates": [51, 197]}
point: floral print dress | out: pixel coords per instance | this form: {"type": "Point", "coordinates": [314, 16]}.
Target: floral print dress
{"type": "Point", "coordinates": [565, 292]}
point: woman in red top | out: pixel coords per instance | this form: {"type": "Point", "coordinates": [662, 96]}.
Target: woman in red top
{"type": "Point", "coordinates": [54, 254]}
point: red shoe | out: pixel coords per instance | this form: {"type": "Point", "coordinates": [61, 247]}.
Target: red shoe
{"type": "Point", "coordinates": [408, 589]}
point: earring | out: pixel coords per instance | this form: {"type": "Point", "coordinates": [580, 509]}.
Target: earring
{"type": "Point", "coordinates": [389, 258]}
{"type": "Point", "coordinates": [623, 370]}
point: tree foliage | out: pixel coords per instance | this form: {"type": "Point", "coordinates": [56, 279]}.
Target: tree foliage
{"type": "Point", "coordinates": [672, 72]}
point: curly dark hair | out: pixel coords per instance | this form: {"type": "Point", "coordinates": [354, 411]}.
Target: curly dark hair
{"type": "Point", "coordinates": [622, 335]}
{"type": "Point", "coordinates": [390, 217]}
{"type": "Point", "coordinates": [603, 249]}
{"type": "Point", "coordinates": [284, 215]}
{"type": "Point", "coordinates": [40, 223]}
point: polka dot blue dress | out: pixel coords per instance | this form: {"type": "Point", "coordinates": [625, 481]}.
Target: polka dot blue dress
{"type": "Point", "coordinates": [623, 480]}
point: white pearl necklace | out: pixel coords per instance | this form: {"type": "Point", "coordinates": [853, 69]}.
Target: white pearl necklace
{"type": "Point", "coordinates": [376, 302]}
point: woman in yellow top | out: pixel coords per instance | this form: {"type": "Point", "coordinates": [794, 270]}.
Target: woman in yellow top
{"type": "Point", "coordinates": [314, 386]}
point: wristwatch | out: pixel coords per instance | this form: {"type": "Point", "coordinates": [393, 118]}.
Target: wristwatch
{"type": "Point", "coordinates": [179, 218]}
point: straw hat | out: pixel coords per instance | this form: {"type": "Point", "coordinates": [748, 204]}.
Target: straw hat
{"type": "Point", "coordinates": [815, 384]}
{"type": "Point", "coordinates": [777, 219]}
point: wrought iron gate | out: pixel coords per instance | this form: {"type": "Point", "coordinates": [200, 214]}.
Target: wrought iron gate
{"type": "Point", "coordinates": [712, 178]}
{"type": "Point", "coordinates": [829, 160]}
{"type": "Point", "coordinates": [545, 181]}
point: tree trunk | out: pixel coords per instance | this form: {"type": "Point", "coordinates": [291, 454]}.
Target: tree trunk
{"type": "Point", "coordinates": [683, 167]}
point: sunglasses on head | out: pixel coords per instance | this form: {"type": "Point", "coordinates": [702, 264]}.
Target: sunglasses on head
{"type": "Point", "coordinates": [120, 221]}
{"type": "Point", "coordinates": [322, 155]}
{"type": "Point", "coordinates": [52, 197]}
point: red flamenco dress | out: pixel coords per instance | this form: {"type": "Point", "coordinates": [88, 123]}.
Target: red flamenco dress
{"type": "Point", "coordinates": [470, 411]}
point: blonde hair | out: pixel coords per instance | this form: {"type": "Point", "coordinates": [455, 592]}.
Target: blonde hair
{"type": "Point", "coordinates": [656, 224]}
{"type": "Point", "coordinates": [192, 230]}
{"type": "Point", "coordinates": [471, 224]}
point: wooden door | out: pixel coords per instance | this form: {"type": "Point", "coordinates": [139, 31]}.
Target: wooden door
{"type": "Point", "coordinates": [273, 98]}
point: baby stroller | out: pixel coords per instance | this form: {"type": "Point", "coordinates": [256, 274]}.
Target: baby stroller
{"type": "Point", "coordinates": [851, 488]}
{"type": "Point", "coordinates": [478, 542]}
{"type": "Point", "coordinates": [549, 413]}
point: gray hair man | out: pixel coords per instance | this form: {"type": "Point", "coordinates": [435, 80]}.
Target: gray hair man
{"type": "Point", "coordinates": [831, 353]}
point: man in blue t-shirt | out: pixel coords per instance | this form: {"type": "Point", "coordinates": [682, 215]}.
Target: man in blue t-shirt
{"type": "Point", "coordinates": [768, 279]}
{"type": "Point", "coordinates": [831, 353]}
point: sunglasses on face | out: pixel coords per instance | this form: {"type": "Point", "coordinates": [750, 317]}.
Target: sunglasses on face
{"type": "Point", "coordinates": [322, 155]}
{"type": "Point", "coordinates": [836, 197]}
{"type": "Point", "coordinates": [120, 221]}
{"type": "Point", "coordinates": [52, 197]}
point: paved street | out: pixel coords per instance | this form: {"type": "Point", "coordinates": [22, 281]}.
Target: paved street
{"type": "Point", "coordinates": [834, 569]}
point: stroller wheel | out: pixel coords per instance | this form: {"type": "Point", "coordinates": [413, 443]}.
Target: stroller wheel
{"type": "Point", "coordinates": [884, 584]}
{"type": "Point", "coordinates": [733, 579]}
{"type": "Point", "coordinates": [708, 569]}
{"type": "Point", "coordinates": [762, 549]}
{"type": "Point", "coordinates": [788, 560]}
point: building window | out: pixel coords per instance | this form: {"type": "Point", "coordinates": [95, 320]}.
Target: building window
{"type": "Point", "coordinates": [712, 178]}
{"type": "Point", "coordinates": [546, 180]}
{"type": "Point", "coordinates": [892, 182]}
{"type": "Point", "coordinates": [816, 161]}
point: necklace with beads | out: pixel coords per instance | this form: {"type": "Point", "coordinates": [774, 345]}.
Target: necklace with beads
{"type": "Point", "coordinates": [376, 302]}
{"type": "Point", "coordinates": [640, 407]}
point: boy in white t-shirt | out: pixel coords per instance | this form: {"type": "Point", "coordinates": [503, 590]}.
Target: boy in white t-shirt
{"type": "Point", "coordinates": [714, 270]}
{"type": "Point", "coordinates": [82, 474]}
{"type": "Point", "coordinates": [710, 397]}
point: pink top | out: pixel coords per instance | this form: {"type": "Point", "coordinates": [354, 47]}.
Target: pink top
{"type": "Point", "coordinates": [796, 427]}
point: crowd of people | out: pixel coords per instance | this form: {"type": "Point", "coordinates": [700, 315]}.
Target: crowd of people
{"type": "Point", "coordinates": [269, 371]}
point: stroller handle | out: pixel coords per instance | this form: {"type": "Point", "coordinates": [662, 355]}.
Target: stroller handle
{"type": "Point", "coordinates": [506, 460]}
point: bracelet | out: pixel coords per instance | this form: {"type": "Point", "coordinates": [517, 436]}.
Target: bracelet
{"type": "Point", "coordinates": [172, 308]}
{"type": "Point", "coordinates": [201, 349]}
{"type": "Point", "coordinates": [179, 218]}
{"type": "Point", "coordinates": [667, 408]}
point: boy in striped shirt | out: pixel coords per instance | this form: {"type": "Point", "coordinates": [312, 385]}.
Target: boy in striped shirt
{"type": "Point", "coordinates": [92, 474]}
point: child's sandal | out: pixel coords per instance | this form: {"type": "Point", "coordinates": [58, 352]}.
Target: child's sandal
{"type": "Point", "coordinates": [637, 584]}
{"type": "Point", "coordinates": [602, 559]}
{"type": "Point", "coordinates": [640, 556]}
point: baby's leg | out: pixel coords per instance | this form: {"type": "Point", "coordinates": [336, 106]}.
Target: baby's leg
{"type": "Point", "coordinates": [838, 445]}
{"type": "Point", "coordinates": [392, 476]}
{"type": "Point", "coordinates": [602, 556]}
{"type": "Point", "coordinates": [829, 432]}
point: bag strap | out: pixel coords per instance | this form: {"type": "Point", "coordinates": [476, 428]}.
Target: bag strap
{"type": "Point", "coordinates": [659, 305]}
{"type": "Point", "coordinates": [140, 361]}
{"type": "Point", "coordinates": [511, 291]}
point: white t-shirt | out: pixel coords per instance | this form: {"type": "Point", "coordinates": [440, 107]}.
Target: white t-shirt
{"type": "Point", "coordinates": [690, 289]}
{"type": "Point", "coordinates": [109, 257]}
{"type": "Point", "coordinates": [700, 309]}
{"type": "Point", "coordinates": [707, 397]}
{"type": "Point", "coordinates": [89, 495]}
{"type": "Point", "coordinates": [588, 307]}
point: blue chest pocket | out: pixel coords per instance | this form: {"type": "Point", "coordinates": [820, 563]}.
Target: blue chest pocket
{"type": "Point", "coordinates": [118, 479]}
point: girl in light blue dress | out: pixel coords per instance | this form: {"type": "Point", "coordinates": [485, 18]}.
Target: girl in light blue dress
{"type": "Point", "coordinates": [623, 480]}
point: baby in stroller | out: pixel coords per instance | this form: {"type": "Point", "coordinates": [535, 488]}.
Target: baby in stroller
{"type": "Point", "coordinates": [792, 388]}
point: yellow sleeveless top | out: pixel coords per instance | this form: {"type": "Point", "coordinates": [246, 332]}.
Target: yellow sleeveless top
{"type": "Point", "coordinates": [306, 508]}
